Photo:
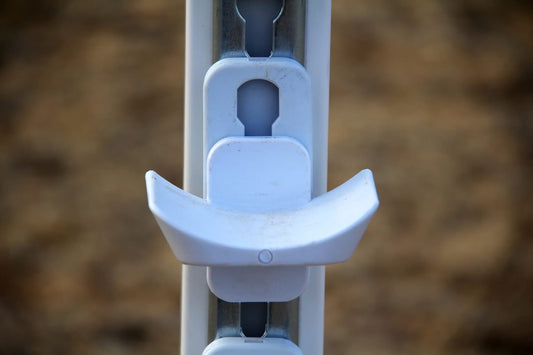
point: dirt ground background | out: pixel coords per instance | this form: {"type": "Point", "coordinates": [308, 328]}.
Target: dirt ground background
{"type": "Point", "coordinates": [436, 97]}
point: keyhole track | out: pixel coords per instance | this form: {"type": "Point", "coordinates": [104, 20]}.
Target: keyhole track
{"type": "Point", "coordinates": [259, 17]}
{"type": "Point", "coordinates": [259, 28]}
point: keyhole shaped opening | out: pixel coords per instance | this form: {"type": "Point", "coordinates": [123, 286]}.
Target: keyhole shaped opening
{"type": "Point", "coordinates": [258, 106]}
{"type": "Point", "coordinates": [259, 16]}
{"type": "Point", "coordinates": [254, 319]}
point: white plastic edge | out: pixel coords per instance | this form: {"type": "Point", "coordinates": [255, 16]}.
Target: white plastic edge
{"type": "Point", "coordinates": [255, 346]}
{"type": "Point", "coordinates": [198, 59]}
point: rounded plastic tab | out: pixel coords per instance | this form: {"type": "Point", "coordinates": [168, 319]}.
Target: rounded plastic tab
{"type": "Point", "coordinates": [258, 174]}
{"type": "Point", "coordinates": [257, 283]}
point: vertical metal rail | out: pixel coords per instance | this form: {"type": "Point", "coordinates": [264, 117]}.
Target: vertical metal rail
{"type": "Point", "coordinates": [198, 58]}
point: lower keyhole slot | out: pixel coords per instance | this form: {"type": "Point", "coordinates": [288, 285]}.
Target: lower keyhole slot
{"type": "Point", "coordinates": [254, 319]}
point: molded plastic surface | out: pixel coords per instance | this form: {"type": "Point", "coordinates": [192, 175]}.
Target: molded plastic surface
{"type": "Point", "coordinates": [324, 231]}
{"type": "Point", "coordinates": [258, 174]}
{"type": "Point", "coordinates": [249, 346]}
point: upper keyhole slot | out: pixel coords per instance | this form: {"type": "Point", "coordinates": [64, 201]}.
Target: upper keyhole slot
{"type": "Point", "coordinates": [259, 16]}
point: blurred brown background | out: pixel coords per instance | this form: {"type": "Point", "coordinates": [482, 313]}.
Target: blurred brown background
{"type": "Point", "coordinates": [434, 96]}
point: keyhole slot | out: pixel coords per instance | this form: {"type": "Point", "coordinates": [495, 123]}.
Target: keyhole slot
{"type": "Point", "coordinates": [258, 106]}
{"type": "Point", "coordinates": [259, 16]}
{"type": "Point", "coordinates": [254, 316]}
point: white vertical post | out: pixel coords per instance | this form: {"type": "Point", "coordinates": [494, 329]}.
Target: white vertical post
{"type": "Point", "coordinates": [317, 59]}
{"type": "Point", "coordinates": [198, 59]}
